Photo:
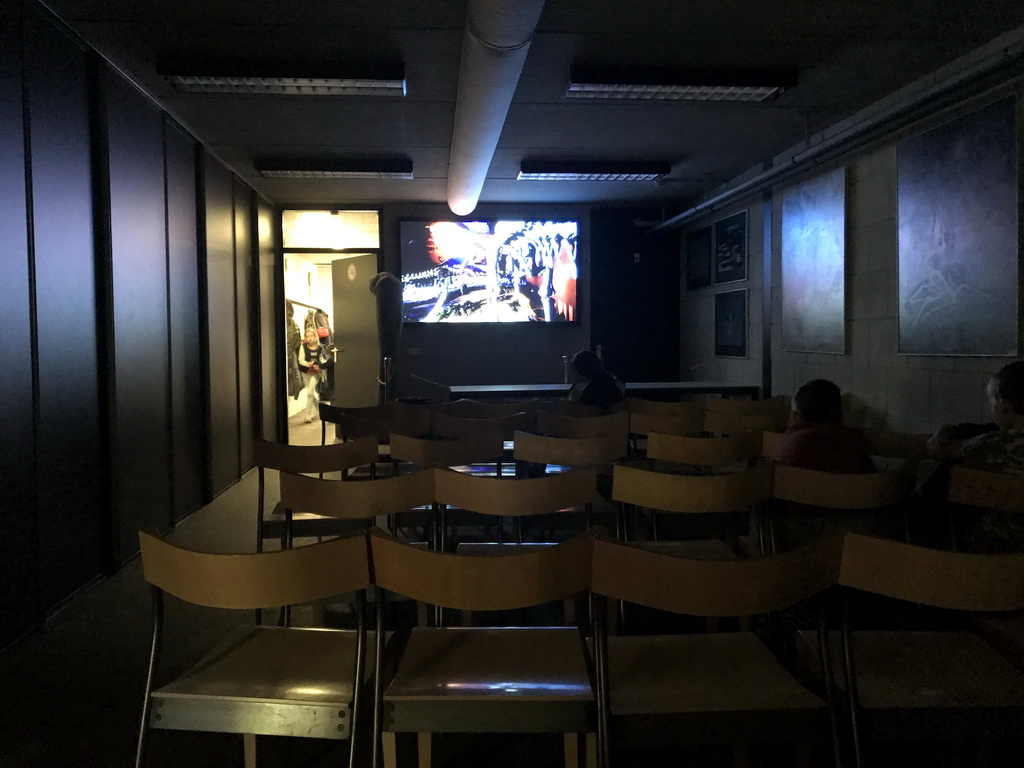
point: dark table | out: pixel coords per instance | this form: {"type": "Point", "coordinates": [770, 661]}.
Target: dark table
{"type": "Point", "coordinates": [670, 390]}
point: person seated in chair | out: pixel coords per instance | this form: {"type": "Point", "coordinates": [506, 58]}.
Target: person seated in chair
{"type": "Point", "coordinates": [994, 447]}
{"type": "Point", "coordinates": [817, 438]}
{"type": "Point", "coordinates": [596, 386]}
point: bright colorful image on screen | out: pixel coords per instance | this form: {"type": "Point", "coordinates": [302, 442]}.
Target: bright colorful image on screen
{"type": "Point", "coordinates": [489, 271]}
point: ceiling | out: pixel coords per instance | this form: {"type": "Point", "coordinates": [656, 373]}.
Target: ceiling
{"type": "Point", "coordinates": [847, 54]}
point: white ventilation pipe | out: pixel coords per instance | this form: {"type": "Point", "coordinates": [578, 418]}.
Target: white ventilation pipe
{"type": "Point", "coordinates": [494, 47]}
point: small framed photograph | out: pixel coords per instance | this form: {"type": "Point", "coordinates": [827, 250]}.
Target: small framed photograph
{"type": "Point", "coordinates": [731, 249]}
{"type": "Point", "coordinates": [699, 250]}
{"type": "Point", "coordinates": [731, 323]}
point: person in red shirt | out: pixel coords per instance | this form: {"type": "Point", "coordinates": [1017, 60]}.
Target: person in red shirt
{"type": "Point", "coordinates": [817, 438]}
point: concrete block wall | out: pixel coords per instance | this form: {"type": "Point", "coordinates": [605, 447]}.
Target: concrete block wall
{"type": "Point", "coordinates": [697, 313]}
{"type": "Point", "coordinates": [904, 393]}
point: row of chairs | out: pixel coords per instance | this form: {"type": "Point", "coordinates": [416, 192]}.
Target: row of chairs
{"type": "Point", "coordinates": [638, 416]}
{"type": "Point", "coordinates": [725, 688]}
{"type": "Point", "coordinates": [667, 483]}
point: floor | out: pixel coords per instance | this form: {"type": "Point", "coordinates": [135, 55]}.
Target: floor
{"type": "Point", "coordinates": [72, 692]}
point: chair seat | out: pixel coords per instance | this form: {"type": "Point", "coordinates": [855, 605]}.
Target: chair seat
{"type": "Point", "coordinates": [481, 664]}
{"type": "Point", "coordinates": [528, 680]}
{"type": "Point", "coordinates": [266, 680]}
{"type": "Point", "coordinates": [722, 672]}
{"type": "Point", "coordinates": [927, 670]}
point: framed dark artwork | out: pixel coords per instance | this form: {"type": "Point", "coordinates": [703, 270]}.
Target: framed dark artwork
{"type": "Point", "coordinates": [958, 252]}
{"type": "Point", "coordinates": [731, 323]}
{"type": "Point", "coordinates": [731, 249]}
{"type": "Point", "coordinates": [699, 249]}
{"type": "Point", "coordinates": [814, 265]}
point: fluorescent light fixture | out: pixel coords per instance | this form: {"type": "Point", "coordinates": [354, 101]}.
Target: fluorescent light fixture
{"type": "Point", "coordinates": [349, 168]}
{"type": "Point", "coordinates": [592, 170]}
{"type": "Point", "coordinates": [288, 78]}
{"type": "Point", "coordinates": [678, 85]}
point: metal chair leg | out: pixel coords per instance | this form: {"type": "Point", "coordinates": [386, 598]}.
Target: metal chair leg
{"type": "Point", "coordinates": [851, 692]}
{"type": "Point", "coordinates": [154, 653]}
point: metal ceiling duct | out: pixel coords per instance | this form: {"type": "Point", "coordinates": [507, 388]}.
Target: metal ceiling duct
{"type": "Point", "coordinates": [494, 47]}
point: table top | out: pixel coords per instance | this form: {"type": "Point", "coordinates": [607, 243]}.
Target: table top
{"type": "Point", "coordinates": [634, 387]}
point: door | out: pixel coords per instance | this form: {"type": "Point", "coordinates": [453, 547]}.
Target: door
{"type": "Point", "coordinates": [356, 359]}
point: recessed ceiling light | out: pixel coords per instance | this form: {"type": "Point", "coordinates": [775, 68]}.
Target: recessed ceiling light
{"type": "Point", "coordinates": [283, 78]}
{"type": "Point", "coordinates": [592, 170]}
{"type": "Point", "coordinates": [352, 168]}
{"type": "Point", "coordinates": [678, 85]}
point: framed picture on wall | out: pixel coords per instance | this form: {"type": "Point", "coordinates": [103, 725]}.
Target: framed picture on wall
{"type": "Point", "coordinates": [699, 250]}
{"type": "Point", "coordinates": [731, 249]}
{"type": "Point", "coordinates": [731, 323]}
{"type": "Point", "coordinates": [957, 197]}
{"type": "Point", "coordinates": [814, 265]}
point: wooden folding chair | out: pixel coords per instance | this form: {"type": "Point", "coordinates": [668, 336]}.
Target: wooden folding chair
{"type": "Point", "coordinates": [716, 688]}
{"type": "Point", "coordinates": [704, 453]}
{"type": "Point", "coordinates": [303, 459]}
{"type": "Point", "coordinates": [259, 680]}
{"type": "Point", "coordinates": [940, 685]}
{"type": "Point", "coordinates": [830, 500]}
{"type": "Point", "coordinates": [356, 422]}
{"type": "Point", "coordinates": [897, 445]}
{"type": "Point", "coordinates": [358, 503]}
{"type": "Point", "coordinates": [485, 680]}
{"type": "Point", "coordinates": [559, 425]}
{"type": "Point", "coordinates": [661, 492]}
{"type": "Point", "coordinates": [516, 498]}
{"type": "Point", "coordinates": [560, 453]}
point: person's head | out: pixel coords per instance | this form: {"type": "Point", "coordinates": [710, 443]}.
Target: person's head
{"type": "Point", "coordinates": [818, 400]}
{"type": "Point", "coordinates": [586, 363]}
{"type": "Point", "coordinates": [1006, 396]}
{"type": "Point", "coordinates": [310, 337]}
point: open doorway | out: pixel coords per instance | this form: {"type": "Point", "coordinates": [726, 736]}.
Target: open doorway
{"type": "Point", "coordinates": [329, 257]}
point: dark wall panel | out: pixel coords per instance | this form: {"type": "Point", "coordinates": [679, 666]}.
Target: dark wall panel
{"type": "Point", "coordinates": [188, 413]}
{"type": "Point", "coordinates": [636, 281]}
{"type": "Point", "coordinates": [271, 344]}
{"type": "Point", "coordinates": [140, 443]}
{"type": "Point", "coordinates": [74, 522]}
{"type": "Point", "coordinates": [247, 322]}
{"type": "Point", "coordinates": [222, 360]}
{"type": "Point", "coordinates": [19, 588]}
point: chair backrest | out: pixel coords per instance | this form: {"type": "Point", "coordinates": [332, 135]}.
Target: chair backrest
{"type": "Point", "coordinates": [768, 442]}
{"type": "Point", "coordinates": [424, 452]}
{"type": "Point", "coordinates": [739, 423]}
{"type": "Point", "coordinates": [939, 578]}
{"type": "Point", "coordinates": [573, 408]}
{"type": "Point", "coordinates": [703, 451]}
{"type": "Point", "coordinates": [252, 581]}
{"type": "Point", "coordinates": [991, 490]}
{"type": "Point", "coordinates": [475, 409]}
{"type": "Point", "coordinates": [776, 407]}
{"type": "Point", "coordinates": [357, 422]}
{"type": "Point", "coordinates": [461, 427]}
{"type": "Point", "coordinates": [690, 493]}
{"type": "Point", "coordinates": [365, 499]}
{"type": "Point", "coordinates": [713, 587]}
{"type": "Point", "coordinates": [559, 425]}
{"type": "Point", "coordinates": [410, 419]}
{"type": "Point", "coordinates": [665, 408]}
{"type": "Point", "coordinates": [835, 490]}
{"type": "Point", "coordinates": [514, 497]}
{"type": "Point", "coordinates": [314, 459]}
{"type": "Point", "coordinates": [465, 582]}
{"type": "Point", "coordinates": [568, 451]}
{"type": "Point", "coordinates": [897, 445]}
{"type": "Point", "coordinates": [691, 423]}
